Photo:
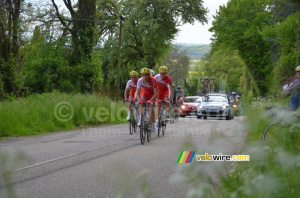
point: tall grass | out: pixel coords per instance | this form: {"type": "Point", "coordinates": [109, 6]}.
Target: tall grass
{"type": "Point", "coordinates": [274, 166]}
{"type": "Point", "coordinates": [38, 113]}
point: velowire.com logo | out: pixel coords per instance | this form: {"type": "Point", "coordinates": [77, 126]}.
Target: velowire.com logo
{"type": "Point", "coordinates": [187, 157]}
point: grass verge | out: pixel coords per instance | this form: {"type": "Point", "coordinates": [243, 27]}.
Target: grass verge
{"type": "Point", "coordinates": [274, 166]}
{"type": "Point", "coordinates": [45, 113]}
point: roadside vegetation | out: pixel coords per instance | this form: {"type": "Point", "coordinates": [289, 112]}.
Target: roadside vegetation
{"type": "Point", "coordinates": [273, 169]}
{"type": "Point", "coordinates": [42, 113]}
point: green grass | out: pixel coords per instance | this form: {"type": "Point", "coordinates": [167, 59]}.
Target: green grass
{"type": "Point", "coordinates": [273, 169]}
{"type": "Point", "coordinates": [36, 114]}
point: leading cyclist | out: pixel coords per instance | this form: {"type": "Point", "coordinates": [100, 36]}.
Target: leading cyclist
{"type": "Point", "coordinates": [293, 89]}
{"type": "Point", "coordinates": [131, 84]}
{"type": "Point", "coordinates": [165, 89]}
{"type": "Point", "coordinates": [147, 92]}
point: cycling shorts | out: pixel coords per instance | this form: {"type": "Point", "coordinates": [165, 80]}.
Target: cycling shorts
{"type": "Point", "coordinates": [132, 92]}
{"type": "Point", "coordinates": [147, 95]}
{"type": "Point", "coordinates": [163, 94]}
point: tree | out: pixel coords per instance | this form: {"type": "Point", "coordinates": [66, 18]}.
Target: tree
{"type": "Point", "coordinates": [149, 27]}
{"type": "Point", "coordinates": [81, 26]}
{"type": "Point", "coordinates": [237, 27]}
{"type": "Point", "coordinates": [9, 46]}
{"type": "Point", "coordinates": [178, 64]}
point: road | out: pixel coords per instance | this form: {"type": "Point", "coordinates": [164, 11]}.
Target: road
{"type": "Point", "coordinates": [107, 161]}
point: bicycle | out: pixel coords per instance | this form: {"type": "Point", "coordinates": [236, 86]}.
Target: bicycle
{"type": "Point", "coordinates": [133, 117]}
{"type": "Point", "coordinates": [145, 127]}
{"type": "Point", "coordinates": [273, 115]}
{"type": "Point", "coordinates": [172, 115]}
{"type": "Point", "coordinates": [162, 124]}
{"type": "Point", "coordinates": [274, 122]}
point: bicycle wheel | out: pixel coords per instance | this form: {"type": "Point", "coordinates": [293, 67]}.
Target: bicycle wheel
{"type": "Point", "coordinates": [142, 136]}
{"type": "Point", "coordinates": [148, 135]}
{"type": "Point", "coordinates": [134, 126]}
{"type": "Point", "coordinates": [131, 123]}
{"type": "Point", "coordinates": [163, 128]}
{"type": "Point", "coordinates": [159, 126]}
{"type": "Point", "coordinates": [268, 129]}
{"type": "Point", "coordinates": [172, 116]}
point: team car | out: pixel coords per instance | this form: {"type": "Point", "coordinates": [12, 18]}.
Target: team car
{"type": "Point", "coordinates": [189, 106]}
{"type": "Point", "coordinates": [215, 105]}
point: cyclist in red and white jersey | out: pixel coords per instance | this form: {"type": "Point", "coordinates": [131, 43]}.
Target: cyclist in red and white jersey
{"type": "Point", "coordinates": [147, 92]}
{"type": "Point", "coordinates": [132, 85]}
{"type": "Point", "coordinates": [165, 89]}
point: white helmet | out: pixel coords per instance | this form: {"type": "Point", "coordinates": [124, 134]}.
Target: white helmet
{"type": "Point", "coordinates": [152, 72]}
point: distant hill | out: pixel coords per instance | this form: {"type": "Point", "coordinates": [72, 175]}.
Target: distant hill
{"type": "Point", "coordinates": [195, 51]}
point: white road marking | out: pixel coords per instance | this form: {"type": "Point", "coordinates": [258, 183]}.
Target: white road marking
{"type": "Point", "coordinates": [75, 154]}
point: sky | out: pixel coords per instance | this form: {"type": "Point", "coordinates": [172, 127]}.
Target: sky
{"type": "Point", "coordinates": [199, 33]}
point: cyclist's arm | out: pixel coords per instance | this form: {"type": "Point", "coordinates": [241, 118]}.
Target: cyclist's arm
{"type": "Point", "coordinates": [154, 95]}
{"type": "Point", "coordinates": [126, 93]}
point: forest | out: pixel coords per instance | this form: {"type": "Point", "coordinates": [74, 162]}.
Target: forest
{"type": "Point", "coordinates": [90, 46]}
{"type": "Point", "coordinates": [255, 46]}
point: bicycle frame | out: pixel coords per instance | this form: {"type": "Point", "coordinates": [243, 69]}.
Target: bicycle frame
{"type": "Point", "coordinates": [145, 124]}
{"type": "Point", "coordinates": [161, 118]}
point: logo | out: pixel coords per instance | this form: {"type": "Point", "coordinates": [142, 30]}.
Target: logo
{"type": "Point", "coordinates": [189, 154]}
{"type": "Point", "coordinates": [187, 157]}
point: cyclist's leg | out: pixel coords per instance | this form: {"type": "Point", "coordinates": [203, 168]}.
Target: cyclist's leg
{"type": "Point", "coordinates": [168, 105]}
{"type": "Point", "coordinates": [159, 97]}
{"type": "Point", "coordinates": [141, 108]}
{"type": "Point", "coordinates": [175, 108]}
{"type": "Point", "coordinates": [152, 113]}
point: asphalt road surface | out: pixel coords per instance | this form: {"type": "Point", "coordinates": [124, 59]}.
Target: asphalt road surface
{"type": "Point", "coordinates": [107, 161]}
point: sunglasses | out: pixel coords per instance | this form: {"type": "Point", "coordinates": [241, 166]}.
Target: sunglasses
{"type": "Point", "coordinates": [145, 74]}
{"type": "Point", "coordinates": [163, 73]}
{"type": "Point", "coordinates": [133, 76]}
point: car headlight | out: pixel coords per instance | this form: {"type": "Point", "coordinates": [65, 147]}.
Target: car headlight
{"type": "Point", "coordinates": [200, 106]}
{"type": "Point", "coordinates": [234, 106]}
{"type": "Point", "coordinates": [224, 107]}
{"type": "Point", "coordinates": [182, 107]}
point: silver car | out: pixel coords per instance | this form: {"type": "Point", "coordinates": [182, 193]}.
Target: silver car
{"type": "Point", "coordinates": [215, 106]}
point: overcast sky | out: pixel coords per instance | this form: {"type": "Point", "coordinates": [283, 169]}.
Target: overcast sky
{"type": "Point", "coordinates": [199, 33]}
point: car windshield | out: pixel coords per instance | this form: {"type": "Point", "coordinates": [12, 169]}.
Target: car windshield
{"type": "Point", "coordinates": [192, 100]}
{"type": "Point", "coordinates": [214, 99]}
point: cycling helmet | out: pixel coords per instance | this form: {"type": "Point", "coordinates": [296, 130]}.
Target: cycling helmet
{"type": "Point", "coordinates": [298, 68]}
{"type": "Point", "coordinates": [178, 87]}
{"type": "Point", "coordinates": [145, 70]}
{"type": "Point", "coordinates": [133, 73]}
{"type": "Point", "coordinates": [163, 69]}
{"type": "Point", "coordinates": [152, 72]}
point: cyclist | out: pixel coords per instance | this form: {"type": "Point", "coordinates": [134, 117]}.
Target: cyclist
{"type": "Point", "coordinates": [131, 84]}
{"type": "Point", "coordinates": [152, 72]}
{"type": "Point", "coordinates": [293, 89]}
{"type": "Point", "coordinates": [147, 92]}
{"type": "Point", "coordinates": [180, 97]}
{"type": "Point", "coordinates": [165, 89]}
{"type": "Point", "coordinates": [174, 99]}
